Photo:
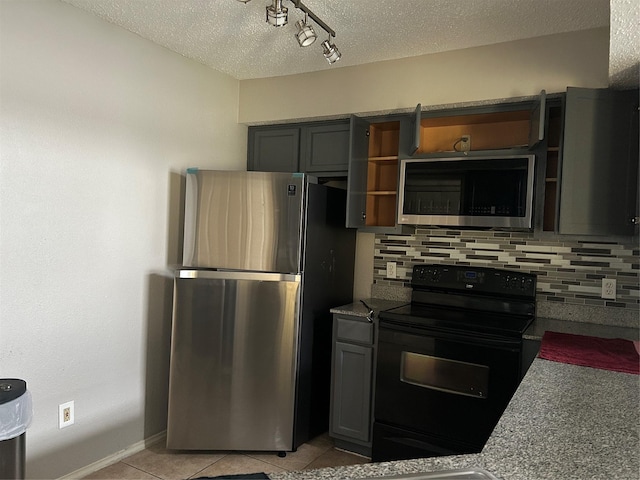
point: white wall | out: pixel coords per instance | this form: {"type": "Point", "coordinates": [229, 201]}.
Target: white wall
{"type": "Point", "coordinates": [95, 125]}
{"type": "Point", "coordinates": [512, 69]}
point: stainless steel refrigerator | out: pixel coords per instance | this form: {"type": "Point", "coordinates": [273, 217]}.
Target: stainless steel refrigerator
{"type": "Point", "coordinates": [266, 255]}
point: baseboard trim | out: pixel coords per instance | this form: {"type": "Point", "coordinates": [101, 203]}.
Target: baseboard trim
{"type": "Point", "coordinates": [116, 457]}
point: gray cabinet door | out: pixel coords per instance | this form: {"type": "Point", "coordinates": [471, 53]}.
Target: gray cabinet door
{"type": "Point", "coordinates": [274, 149]}
{"type": "Point", "coordinates": [325, 148]}
{"type": "Point", "coordinates": [599, 169]}
{"type": "Point", "coordinates": [357, 182]}
{"type": "Point", "coordinates": [537, 120]}
{"type": "Point", "coordinates": [351, 402]}
{"type": "Point", "coordinates": [417, 119]}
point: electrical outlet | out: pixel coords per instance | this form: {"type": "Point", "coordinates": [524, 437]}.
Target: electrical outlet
{"type": "Point", "coordinates": [66, 415]}
{"type": "Point", "coordinates": [391, 270]}
{"type": "Point", "coordinates": [609, 288]}
{"type": "Point", "coordinates": [465, 143]}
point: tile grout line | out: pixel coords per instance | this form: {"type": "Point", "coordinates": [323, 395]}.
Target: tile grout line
{"type": "Point", "coordinates": [141, 470]}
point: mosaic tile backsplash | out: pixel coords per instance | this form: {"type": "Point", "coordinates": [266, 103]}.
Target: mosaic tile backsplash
{"type": "Point", "coordinates": [570, 272]}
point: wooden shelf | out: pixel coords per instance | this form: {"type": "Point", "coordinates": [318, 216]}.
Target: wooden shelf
{"type": "Point", "coordinates": [382, 192]}
{"type": "Point", "coordinates": [389, 158]}
{"type": "Point", "coordinates": [381, 210]}
{"type": "Point", "coordinates": [554, 130]}
{"type": "Point", "coordinates": [489, 131]}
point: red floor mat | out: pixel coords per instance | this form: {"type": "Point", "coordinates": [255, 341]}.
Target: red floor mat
{"type": "Point", "coordinates": [604, 353]}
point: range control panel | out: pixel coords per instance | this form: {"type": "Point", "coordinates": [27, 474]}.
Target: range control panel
{"type": "Point", "coordinates": [464, 278]}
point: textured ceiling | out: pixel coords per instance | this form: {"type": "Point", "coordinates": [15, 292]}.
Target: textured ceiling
{"type": "Point", "coordinates": [624, 50]}
{"type": "Point", "coordinates": [234, 38]}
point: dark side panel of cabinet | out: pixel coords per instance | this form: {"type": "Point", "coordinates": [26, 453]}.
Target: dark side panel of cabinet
{"type": "Point", "coordinates": [325, 148]}
{"type": "Point", "coordinates": [273, 149]}
{"type": "Point", "coordinates": [597, 196]}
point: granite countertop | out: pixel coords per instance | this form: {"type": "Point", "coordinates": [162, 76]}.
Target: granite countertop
{"type": "Point", "coordinates": [359, 310]}
{"type": "Point", "coordinates": [534, 332]}
{"type": "Point", "coordinates": [564, 422]}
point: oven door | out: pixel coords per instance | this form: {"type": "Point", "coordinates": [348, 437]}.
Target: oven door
{"type": "Point", "coordinates": [439, 393]}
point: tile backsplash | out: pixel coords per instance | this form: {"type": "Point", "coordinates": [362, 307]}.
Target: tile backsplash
{"type": "Point", "coordinates": [569, 271]}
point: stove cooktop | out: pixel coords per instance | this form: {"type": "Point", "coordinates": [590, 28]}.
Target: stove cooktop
{"type": "Point", "coordinates": [451, 319]}
{"type": "Point", "coordinates": [472, 299]}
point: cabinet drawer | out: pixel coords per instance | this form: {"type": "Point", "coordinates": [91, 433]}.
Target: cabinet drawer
{"type": "Point", "coordinates": [360, 331]}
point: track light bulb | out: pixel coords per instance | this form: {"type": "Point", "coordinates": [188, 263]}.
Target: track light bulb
{"type": "Point", "coordinates": [277, 15]}
{"type": "Point", "coordinates": [331, 52]}
{"type": "Point", "coordinates": [306, 35]}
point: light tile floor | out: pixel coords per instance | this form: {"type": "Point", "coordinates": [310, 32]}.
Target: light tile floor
{"type": "Point", "coordinates": [158, 462]}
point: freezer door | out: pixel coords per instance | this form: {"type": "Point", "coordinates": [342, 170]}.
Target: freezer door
{"type": "Point", "coordinates": [243, 220]}
{"type": "Point", "coordinates": [233, 361]}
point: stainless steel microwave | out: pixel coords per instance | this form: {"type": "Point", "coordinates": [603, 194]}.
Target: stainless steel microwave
{"type": "Point", "coordinates": [478, 191]}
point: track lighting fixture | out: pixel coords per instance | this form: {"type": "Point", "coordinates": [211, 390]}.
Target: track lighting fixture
{"type": "Point", "coordinates": [278, 16]}
{"type": "Point", "coordinates": [331, 52]}
{"type": "Point", "coordinates": [306, 35]}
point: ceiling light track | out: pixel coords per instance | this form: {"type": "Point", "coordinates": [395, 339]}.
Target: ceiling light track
{"type": "Point", "coordinates": [278, 16]}
{"type": "Point", "coordinates": [298, 4]}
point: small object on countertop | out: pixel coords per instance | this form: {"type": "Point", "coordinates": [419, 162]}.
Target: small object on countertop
{"type": "Point", "coordinates": [370, 314]}
{"type": "Point", "coordinates": [614, 354]}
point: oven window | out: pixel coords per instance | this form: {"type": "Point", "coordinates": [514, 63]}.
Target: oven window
{"type": "Point", "coordinates": [445, 375]}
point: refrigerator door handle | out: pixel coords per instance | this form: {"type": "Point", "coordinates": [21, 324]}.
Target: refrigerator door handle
{"type": "Point", "coordinates": [239, 275]}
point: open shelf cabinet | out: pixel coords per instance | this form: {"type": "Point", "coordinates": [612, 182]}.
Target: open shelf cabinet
{"type": "Point", "coordinates": [552, 172]}
{"type": "Point", "coordinates": [488, 131]}
{"type": "Point", "coordinates": [382, 174]}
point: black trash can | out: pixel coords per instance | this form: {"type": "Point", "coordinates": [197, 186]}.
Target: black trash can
{"type": "Point", "coordinates": [15, 417]}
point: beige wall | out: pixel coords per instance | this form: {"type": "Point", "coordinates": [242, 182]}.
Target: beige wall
{"type": "Point", "coordinates": [503, 70]}
{"type": "Point", "coordinates": [513, 69]}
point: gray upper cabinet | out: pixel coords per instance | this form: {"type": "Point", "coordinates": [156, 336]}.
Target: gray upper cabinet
{"type": "Point", "coordinates": [273, 149]}
{"type": "Point", "coordinates": [599, 165]}
{"type": "Point", "coordinates": [325, 148]}
{"type": "Point", "coordinates": [320, 148]}
{"type": "Point", "coordinates": [372, 199]}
